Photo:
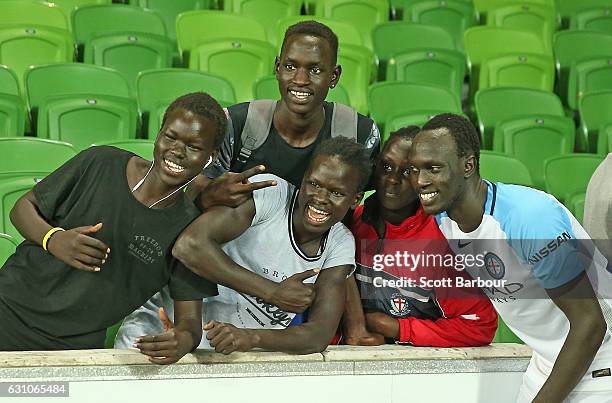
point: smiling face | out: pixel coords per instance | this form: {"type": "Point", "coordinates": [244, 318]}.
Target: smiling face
{"type": "Point", "coordinates": [392, 175]}
{"type": "Point", "coordinates": [328, 190]}
{"type": "Point", "coordinates": [305, 71]}
{"type": "Point", "coordinates": [183, 146]}
{"type": "Point", "coordinates": [438, 174]}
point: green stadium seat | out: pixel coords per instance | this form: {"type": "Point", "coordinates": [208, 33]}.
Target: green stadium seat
{"type": "Point", "coordinates": [604, 140]}
{"type": "Point", "coordinates": [142, 148]}
{"type": "Point", "coordinates": [567, 8]}
{"type": "Point", "coordinates": [595, 111]}
{"type": "Point", "coordinates": [389, 99]}
{"type": "Point", "coordinates": [33, 14]}
{"type": "Point", "coordinates": [441, 67]}
{"type": "Point", "coordinates": [24, 46]}
{"type": "Point", "coordinates": [533, 139]}
{"type": "Point", "coordinates": [11, 189]}
{"type": "Point", "coordinates": [392, 38]}
{"type": "Point", "coordinates": [575, 204]}
{"type": "Point", "coordinates": [526, 70]}
{"type": "Point", "coordinates": [363, 15]}
{"type": "Point", "coordinates": [356, 62]}
{"type": "Point", "coordinates": [240, 61]}
{"type": "Point", "coordinates": [8, 244]}
{"type": "Point", "coordinates": [504, 334]}
{"type": "Point", "coordinates": [455, 16]}
{"type": "Point", "coordinates": [484, 6]}
{"type": "Point", "coordinates": [130, 53]}
{"type": "Point", "coordinates": [156, 89]}
{"type": "Point", "coordinates": [68, 6]}
{"type": "Point", "coordinates": [499, 167]}
{"type": "Point", "coordinates": [347, 33]}
{"type": "Point", "coordinates": [267, 88]}
{"type": "Point", "coordinates": [575, 46]}
{"type": "Point", "coordinates": [482, 43]}
{"type": "Point", "coordinates": [87, 118]}
{"type": "Point", "coordinates": [169, 10]}
{"type": "Point", "coordinates": [568, 174]}
{"type": "Point", "coordinates": [195, 27]}
{"type": "Point", "coordinates": [43, 82]}
{"type": "Point", "coordinates": [267, 12]}
{"type": "Point", "coordinates": [91, 21]}
{"type": "Point", "coordinates": [536, 18]}
{"type": "Point", "coordinates": [586, 76]}
{"type": "Point", "coordinates": [497, 104]}
{"type": "Point", "coordinates": [598, 19]}
{"type": "Point", "coordinates": [44, 156]}
{"type": "Point", "coordinates": [12, 106]}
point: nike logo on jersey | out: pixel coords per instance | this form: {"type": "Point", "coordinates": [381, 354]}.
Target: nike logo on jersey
{"type": "Point", "coordinates": [463, 245]}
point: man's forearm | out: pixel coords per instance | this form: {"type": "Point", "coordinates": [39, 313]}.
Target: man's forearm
{"type": "Point", "coordinates": [302, 339]}
{"type": "Point", "coordinates": [574, 359]}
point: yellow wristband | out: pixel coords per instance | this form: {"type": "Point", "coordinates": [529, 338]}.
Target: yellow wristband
{"type": "Point", "coordinates": [48, 236]}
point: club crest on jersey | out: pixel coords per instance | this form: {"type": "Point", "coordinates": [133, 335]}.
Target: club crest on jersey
{"type": "Point", "coordinates": [494, 265]}
{"type": "Point", "coordinates": [399, 305]}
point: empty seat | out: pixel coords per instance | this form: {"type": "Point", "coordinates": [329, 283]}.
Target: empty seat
{"type": "Point", "coordinates": [518, 70]}
{"type": "Point", "coordinates": [24, 46]}
{"type": "Point", "coordinates": [33, 14]}
{"type": "Point", "coordinates": [533, 139]}
{"type": "Point", "coordinates": [575, 204]}
{"type": "Point", "coordinates": [595, 111]}
{"type": "Point", "coordinates": [441, 67]}
{"type": "Point", "coordinates": [142, 148]}
{"type": "Point", "coordinates": [604, 139]}
{"type": "Point", "coordinates": [567, 8]}
{"type": "Point", "coordinates": [455, 16]}
{"type": "Point", "coordinates": [588, 75]}
{"type": "Point", "coordinates": [72, 79]}
{"type": "Point", "coordinates": [240, 61]}
{"type": "Point", "coordinates": [156, 89]}
{"type": "Point", "coordinates": [497, 104]}
{"type": "Point", "coordinates": [574, 46]}
{"type": "Point", "coordinates": [195, 27]}
{"type": "Point", "coordinates": [44, 156]}
{"type": "Point", "coordinates": [392, 38]}
{"type": "Point", "coordinates": [267, 88]}
{"type": "Point", "coordinates": [363, 15]}
{"type": "Point", "coordinates": [12, 106]}
{"type": "Point", "coordinates": [356, 62]}
{"type": "Point", "coordinates": [498, 167]}
{"type": "Point", "coordinates": [536, 18]}
{"type": "Point", "coordinates": [566, 175]}
{"type": "Point", "coordinates": [482, 43]}
{"type": "Point", "coordinates": [169, 10]}
{"type": "Point", "coordinates": [8, 244]}
{"type": "Point", "coordinates": [483, 7]}
{"type": "Point", "coordinates": [388, 99]}
{"type": "Point", "coordinates": [130, 53]}
{"type": "Point", "coordinates": [596, 19]}
{"type": "Point", "coordinates": [267, 12]}
{"type": "Point", "coordinates": [87, 118]}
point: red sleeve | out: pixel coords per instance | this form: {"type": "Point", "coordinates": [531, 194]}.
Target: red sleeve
{"type": "Point", "coordinates": [467, 323]}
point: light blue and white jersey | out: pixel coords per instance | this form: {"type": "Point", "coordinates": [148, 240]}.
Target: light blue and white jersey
{"type": "Point", "coordinates": [528, 242]}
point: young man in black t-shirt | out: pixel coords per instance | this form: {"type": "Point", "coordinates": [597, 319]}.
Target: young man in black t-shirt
{"type": "Point", "coordinates": [99, 234]}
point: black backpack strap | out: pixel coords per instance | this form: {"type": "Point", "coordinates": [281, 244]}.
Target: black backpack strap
{"type": "Point", "coordinates": [344, 122]}
{"type": "Point", "coordinates": [255, 131]}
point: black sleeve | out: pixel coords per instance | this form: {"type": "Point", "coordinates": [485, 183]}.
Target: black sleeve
{"type": "Point", "coordinates": [57, 186]}
{"type": "Point", "coordinates": [185, 285]}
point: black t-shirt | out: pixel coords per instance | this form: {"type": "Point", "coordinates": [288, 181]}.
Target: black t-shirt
{"type": "Point", "coordinates": [64, 307]}
{"type": "Point", "coordinates": [280, 158]}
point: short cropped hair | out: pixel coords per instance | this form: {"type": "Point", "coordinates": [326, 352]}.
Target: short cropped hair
{"type": "Point", "coordinates": [406, 133]}
{"type": "Point", "coordinates": [463, 132]}
{"type": "Point", "coordinates": [351, 153]}
{"type": "Point", "coordinates": [314, 28]}
{"type": "Point", "coordinates": [202, 104]}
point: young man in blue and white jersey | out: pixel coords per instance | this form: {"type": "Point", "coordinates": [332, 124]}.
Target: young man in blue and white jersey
{"type": "Point", "coordinates": [529, 241]}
